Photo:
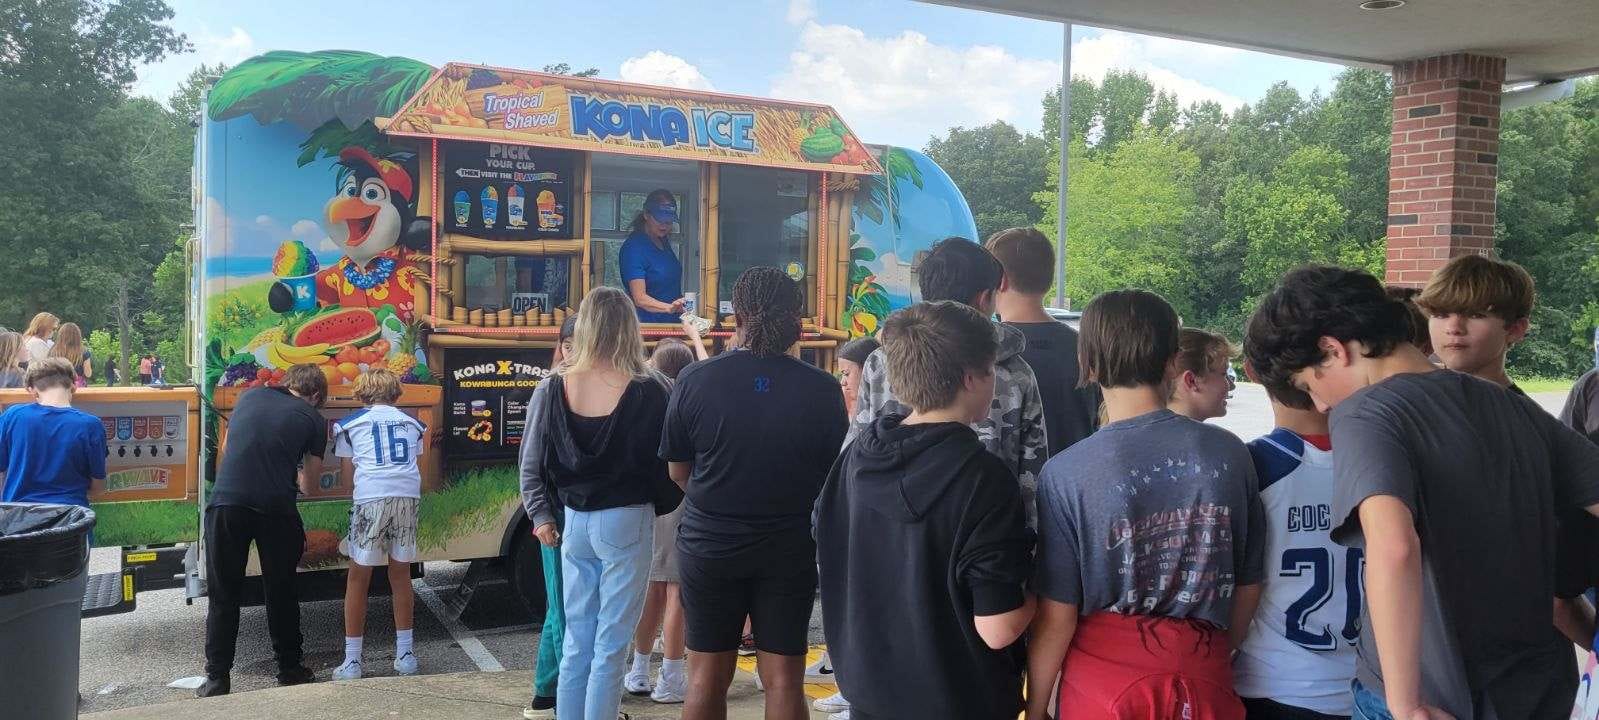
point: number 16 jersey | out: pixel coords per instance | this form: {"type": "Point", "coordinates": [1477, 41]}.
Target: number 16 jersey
{"type": "Point", "coordinates": [384, 444]}
{"type": "Point", "coordinates": [1300, 650]}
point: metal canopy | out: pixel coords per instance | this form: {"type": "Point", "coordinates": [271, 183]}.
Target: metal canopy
{"type": "Point", "coordinates": [1540, 39]}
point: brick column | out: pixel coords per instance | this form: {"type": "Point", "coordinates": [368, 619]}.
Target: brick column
{"type": "Point", "coordinates": [1443, 162]}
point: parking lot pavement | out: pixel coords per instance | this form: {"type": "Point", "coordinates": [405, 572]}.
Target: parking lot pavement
{"type": "Point", "coordinates": [1249, 410]}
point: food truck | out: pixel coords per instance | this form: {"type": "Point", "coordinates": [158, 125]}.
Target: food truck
{"type": "Point", "coordinates": [358, 211]}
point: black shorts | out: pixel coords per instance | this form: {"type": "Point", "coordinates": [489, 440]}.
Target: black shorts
{"type": "Point", "coordinates": [1265, 709]}
{"type": "Point", "coordinates": [776, 590]}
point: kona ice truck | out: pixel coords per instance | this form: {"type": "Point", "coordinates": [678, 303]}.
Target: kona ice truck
{"type": "Point", "coordinates": [356, 211]}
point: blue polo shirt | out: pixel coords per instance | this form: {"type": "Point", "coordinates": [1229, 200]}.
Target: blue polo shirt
{"type": "Point", "coordinates": [658, 267]}
{"type": "Point", "coordinates": [51, 454]}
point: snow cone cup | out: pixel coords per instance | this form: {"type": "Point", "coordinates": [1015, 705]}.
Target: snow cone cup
{"type": "Point", "coordinates": [304, 289]}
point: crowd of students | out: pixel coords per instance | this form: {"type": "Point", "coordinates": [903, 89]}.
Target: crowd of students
{"type": "Point", "coordinates": [1003, 517]}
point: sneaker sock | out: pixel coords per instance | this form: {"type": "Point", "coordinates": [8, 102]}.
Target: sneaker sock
{"type": "Point", "coordinates": [641, 663]}
{"type": "Point", "coordinates": [402, 643]}
{"type": "Point", "coordinates": [672, 668]}
{"type": "Point", "coordinates": [352, 648]}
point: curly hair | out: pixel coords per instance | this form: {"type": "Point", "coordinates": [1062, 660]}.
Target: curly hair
{"type": "Point", "coordinates": [1315, 301]}
{"type": "Point", "coordinates": [767, 306]}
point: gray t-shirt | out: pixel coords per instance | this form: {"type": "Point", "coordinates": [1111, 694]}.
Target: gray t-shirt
{"type": "Point", "coordinates": [1153, 515]}
{"type": "Point", "coordinates": [1484, 472]}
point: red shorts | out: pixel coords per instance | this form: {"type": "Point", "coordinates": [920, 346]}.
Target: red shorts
{"type": "Point", "coordinates": [1140, 667]}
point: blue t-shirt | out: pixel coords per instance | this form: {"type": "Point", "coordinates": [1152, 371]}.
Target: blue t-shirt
{"type": "Point", "coordinates": [51, 453]}
{"type": "Point", "coordinates": [658, 267]}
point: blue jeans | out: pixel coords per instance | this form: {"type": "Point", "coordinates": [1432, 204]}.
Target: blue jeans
{"type": "Point", "coordinates": [605, 567]}
{"type": "Point", "coordinates": [1369, 705]}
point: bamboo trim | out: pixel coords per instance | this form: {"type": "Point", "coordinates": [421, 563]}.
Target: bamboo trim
{"type": "Point", "coordinates": [846, 219]}
{"type": "Point", "coordinates": [586, 279]}
{"type": "Point", "coordinates": [813, 236]}
{"type": "Point", "coordinates": [710, 238]}
{"type": "Point", "coordinates": [433, 232]}
{"type": "Point", "coordinates": [821, 256]}
{"type": "Point", "coordinates": [457, 340]}
{"type": "Point", "coordinates": [462, 244]}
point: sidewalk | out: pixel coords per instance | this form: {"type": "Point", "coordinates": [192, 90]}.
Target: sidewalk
{"type": "Point", "coordinates": [461, 696]}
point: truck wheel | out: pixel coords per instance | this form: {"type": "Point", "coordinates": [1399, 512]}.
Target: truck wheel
{"type": "Point", "coordinates": [527, 573]}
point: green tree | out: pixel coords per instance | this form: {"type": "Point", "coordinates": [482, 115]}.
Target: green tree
{"type": "Point", "coordinates": [1085, 98]}
{"type": "Point", "coordinates": [185, 101]}
{"type": "Point", "coordinates": [1128, 208]}
{"type": "Point", "coordinates": [1291, 220]}
{"type": "Point", "coordinates": [566, 69]}
{"type": "Point", "coordinates": [998, 169]}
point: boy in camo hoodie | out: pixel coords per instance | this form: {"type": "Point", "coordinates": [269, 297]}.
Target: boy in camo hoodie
{"type": "Point", "coordinates": [963, 271]}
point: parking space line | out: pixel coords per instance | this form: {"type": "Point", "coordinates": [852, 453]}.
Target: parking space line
{"type": "Point", "coordinates": [474, 648]}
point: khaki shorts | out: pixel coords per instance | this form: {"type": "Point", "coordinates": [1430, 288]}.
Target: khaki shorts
{"type": "Point", "coordinates": [663, 561]}
{"type": "Point", "coordinates": [381, 530]}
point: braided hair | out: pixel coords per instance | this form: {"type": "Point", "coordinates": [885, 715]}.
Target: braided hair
{"type": "Point", "coordinates": [767, 306]}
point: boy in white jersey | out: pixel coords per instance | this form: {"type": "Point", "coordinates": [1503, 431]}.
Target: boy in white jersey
{"type": "Point", "coordinates": [382, 445]}
{"type": "Point", "coordinates": [1298, 660]}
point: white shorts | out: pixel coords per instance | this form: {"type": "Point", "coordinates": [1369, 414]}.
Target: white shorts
{"type": "Point", "coordinates": [381, 530]}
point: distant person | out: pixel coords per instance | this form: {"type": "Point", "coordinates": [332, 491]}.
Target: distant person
{"type": "Point", "coordinates": [380, 445]}
{"type": "Point", "coordinates": [663, 608]}
{"type": "Point", "coordinates": [40, 336]}
{"type": "Point", "coordinates": [545, 515]}
{"type": "Point", "coordinates": [158, 370]}
{"type": "Point", "coordinates": [11, 351]}
{"type": "Point", "coordinates": [1200, 389]}
{"type": "Point", "coordinates": [1015, 431]}
{"type": "Point", "coordinates": [1028, 258]}
{"type": "Point", "coordinates": [602, 412]}
{"type": "Point", "coordinates": [921, 538]}
{"type": "Point", "coordinates": [146, 367]}
{"type": "Point", "coordinates": [851, 359]}
{"type": "Point", "coordinates": [53, 453]}
{"type": "Point", "coordinates": [276, 439]}
{"type": "Point", "coordinates": [113, 376]}
{"type": "Point", "coordinates": [1450, 484]}
{"type": "Point", "coordinates": [69, 347]}
{"type": "Point", "coordinates": [1298, 659]}
{"type": "Point", "coordinates": [1479, 308]}
{"type": "Point", "coordinates": [750, 434]}
{"type": "Point", "coordinates": [1150, 540]}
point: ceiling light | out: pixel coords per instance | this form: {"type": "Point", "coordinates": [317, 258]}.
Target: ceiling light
{"type": "Point", "coordinates": [1381, 4]}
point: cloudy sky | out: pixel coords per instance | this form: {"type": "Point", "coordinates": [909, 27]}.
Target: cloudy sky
{"type": "Point", "coordinates": [899, 71]}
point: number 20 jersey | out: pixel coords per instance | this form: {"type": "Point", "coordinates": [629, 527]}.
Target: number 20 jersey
{"type": "Point", "coordinates": [1300, 649]}
{"type": "Point", "coordinates": [383, 443]}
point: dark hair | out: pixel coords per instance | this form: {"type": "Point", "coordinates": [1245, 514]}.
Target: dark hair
{"type": "Point", "coordinates": [656, 194]}
{"type": "Point", "coordinates": [671, 355]}
{"type": "Point", "coordinates": [307, 381]}
{"type": "Point", "coordinates": [1127, 338]}
{"type": "Point", "coordinates": [767, 306]}
{"type": "Point", "coordinates": [1480, 284]}
{"type": "Point", "coordinates": [857, 350]}
{"type": "Point", "coordinates": [1315, 301]}
{"type": "Point", "coordinates": [1420, 332]}
{"type": "Point", "coordinates": [957, 269]}
{"type": "Point", "coordinates": [1281, 389]}
{"type": "Point", "coordinates": [568, 328]}
{"type": "Point", "coordinates": [931, 346]}
{"type": "Point", "coordinates": [1026, 256]}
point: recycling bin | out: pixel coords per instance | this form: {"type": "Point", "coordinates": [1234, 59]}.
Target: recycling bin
{"type": "Point", "coordinates": [44, 558]}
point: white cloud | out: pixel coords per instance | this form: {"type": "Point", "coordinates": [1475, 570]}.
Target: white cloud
{"type": "Point", "coordinates": [314, 236]}
{"type": "Point", "coordinates": [801, 11]}
{"type": "Point", "coordinates": [904, 88]}
{"type": "Point", "coordinates": [659, 68]}
{"type": "Point", "coordinates": [160, 80]}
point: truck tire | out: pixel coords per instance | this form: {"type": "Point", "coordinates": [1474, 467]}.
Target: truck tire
{"type": "Point", "coordinates": [526, 573]}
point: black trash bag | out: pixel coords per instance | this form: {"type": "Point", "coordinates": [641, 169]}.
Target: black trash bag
{"type": "Point", "coordinates": [42, 544]}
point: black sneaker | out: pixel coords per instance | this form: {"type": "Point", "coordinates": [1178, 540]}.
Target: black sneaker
{"type": "Point", "coordinates": [746, 646]}
{"type": "Point", "coordinates": [296, 676]}
{"type": "Point", "coordinates": [214, 686]}
{"type": "Point", "coordinates": [541, 708]}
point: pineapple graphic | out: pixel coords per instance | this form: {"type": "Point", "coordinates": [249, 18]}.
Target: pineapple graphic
{"type": "Point", "coordinates": [404, 361]}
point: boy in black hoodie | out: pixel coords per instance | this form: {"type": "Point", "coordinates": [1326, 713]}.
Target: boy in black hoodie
{"type": "Point", "coordinates": [919, 512]}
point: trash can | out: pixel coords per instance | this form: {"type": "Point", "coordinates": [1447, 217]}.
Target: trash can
{"type": "Point", "coordinates": [44, 559]}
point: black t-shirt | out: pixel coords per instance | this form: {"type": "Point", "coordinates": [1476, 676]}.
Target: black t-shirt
{"type": "Point", "coordinates": [269, 432]}
{"type": "Point", "coordinates": [933, 525]}
{"type": "Point", "coordinates": [1577, 560]}
{"type": "Point", "coordinates": [606, 462]}
{"type": "Point", "coordinates": [1070, 412]}
{"type": "Point", "coordinates": [762, 433]}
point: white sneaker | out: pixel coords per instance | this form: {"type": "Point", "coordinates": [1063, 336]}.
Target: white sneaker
{"type": "Point", "coordinates": [758, 686]}
{"type": "Point", "coordinates": [406, 664]}
{"type": "Point", "coordinates": [670, 690]}
{"type": "Point", "coordinates": [350, 670]}
{"type": "Point", "coordinates": [820, 671]}
{"type": "Point", "coordinates": [831, 704]}
{"type": "Point", "coordinates": [841, 715]}
{"type": "Point", "coordinates": [637, 683]}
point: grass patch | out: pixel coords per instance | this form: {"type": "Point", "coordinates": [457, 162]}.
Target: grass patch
{"type": "Point", "coordinates": [148, 522]}
{"type": "Point", "coordinates": [330, 515]}
{"type": "Point", "coordinates": [474, 498]}
{"type": "Point", "coordinates": [1535, 384]}
{"type": "Point", "coordinates": [240, 313]}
